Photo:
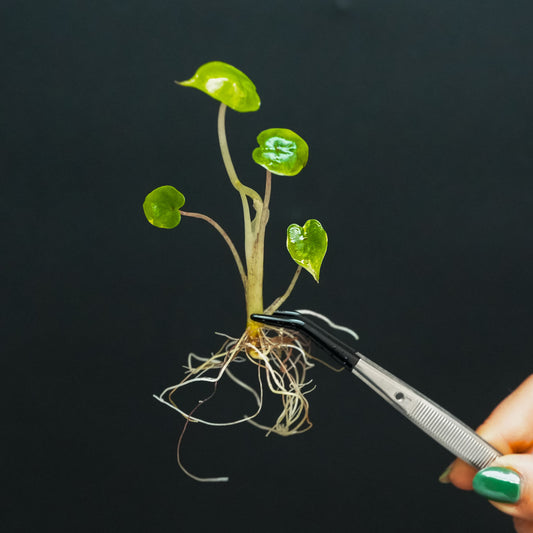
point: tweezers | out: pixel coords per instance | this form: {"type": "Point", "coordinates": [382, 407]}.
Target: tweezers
{"type": "Point", "coordinates": [435, 421]}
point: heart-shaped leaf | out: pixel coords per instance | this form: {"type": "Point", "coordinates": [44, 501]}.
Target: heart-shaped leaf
{"type": "Point", "coordinates": [308, 245]}
{"type": "Point", "coordinates": [162, 207]}
{"type": "Point", "coordinates": [226, 84]}
{"type": "Point", "coordinates": [281, 151]}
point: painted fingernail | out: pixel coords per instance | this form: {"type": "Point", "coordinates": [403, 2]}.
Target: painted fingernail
{"type": "Point", "coordinates": [445, 476]}
{"type": "Point", "coordinates": [498, 484]}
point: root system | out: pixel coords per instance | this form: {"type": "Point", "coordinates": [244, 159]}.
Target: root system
{"type": "Point", "coordinates": [282, 359]}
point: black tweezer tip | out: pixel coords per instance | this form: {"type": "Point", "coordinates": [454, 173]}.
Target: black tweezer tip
{"type": "Point", "coordinates": [287, 319]}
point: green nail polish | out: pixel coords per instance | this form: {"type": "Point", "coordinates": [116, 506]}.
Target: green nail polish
{"type": "Point", "coordinates": [445, 476]}
{"type": "Point", "coordinates": [498, 484]}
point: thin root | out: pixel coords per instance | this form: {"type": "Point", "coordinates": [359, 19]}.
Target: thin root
{"type": "Point", "coordinates": [282, 362]}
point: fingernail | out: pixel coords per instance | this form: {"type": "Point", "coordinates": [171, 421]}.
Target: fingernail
{"type": "Point", "coordinates": [445, 476]}
{"type": "Point", "coordinates": [498, 484]}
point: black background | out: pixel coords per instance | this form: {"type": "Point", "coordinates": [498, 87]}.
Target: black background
{"type": "Point", "coordinates": [418, 116]}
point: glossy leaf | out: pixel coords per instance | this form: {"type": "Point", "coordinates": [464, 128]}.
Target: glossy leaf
{"type": "Point", "coordinates": [281, 151]}
{"type": "Point", "coordinates": [226, 84]}
{"type": "Point", "coordinates": [162, 207]}
{"type": "Point", "coordinates": [307, 245]}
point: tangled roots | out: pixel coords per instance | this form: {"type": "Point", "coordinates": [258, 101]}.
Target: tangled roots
{"type": "Point", "coordinates": [282, 360]}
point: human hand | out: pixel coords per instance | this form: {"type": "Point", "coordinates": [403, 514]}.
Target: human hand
{"type": "Point", "coordinates": [508, 481]}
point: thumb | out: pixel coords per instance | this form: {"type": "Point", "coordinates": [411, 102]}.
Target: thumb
{"type": "Point", "coordinates": [508, 484]}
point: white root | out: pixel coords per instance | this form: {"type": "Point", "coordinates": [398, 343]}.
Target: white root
{"type": "Point", "coordinates": [282, 362]}
{"type": "Point", "coordinates": [208, 364]}
{"type": "Point", "coordinates": [278, 354]}
{"type": "Point", "coordinates": [329, 322]}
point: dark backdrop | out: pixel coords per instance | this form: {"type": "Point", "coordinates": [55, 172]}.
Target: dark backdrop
{"type": "Point", "coordinates": [418, 116]}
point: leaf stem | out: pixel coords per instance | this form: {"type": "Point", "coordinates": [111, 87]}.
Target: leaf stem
{"type": "Point", "coordinates": [226, 237]}
{"type": "Point", "coordinates": [266, 199]}
{"type": "Point", "coordinates": [276, 304]}
{"type": "Point", "coordinates": [255, 259]}
{"type": "Point", "coordinates": [242, 189]}
{"type": "Point", "coordinates": [228, 163]}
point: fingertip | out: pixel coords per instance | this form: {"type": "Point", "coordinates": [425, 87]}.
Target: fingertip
{"type": "Point", "coordinates": [522, 464]}
{"type": "Point", "coordinates": [444, 478]}
{"type": "Point", "coordinates": [461, 475]}
{"type": "Point", "coordinates": [522, 525]}
{"type": "Point", "coordinates": [498, 484]}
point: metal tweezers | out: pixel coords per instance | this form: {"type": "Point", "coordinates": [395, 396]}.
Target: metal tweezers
{"type": "Point", "coordinates": [438, 423]}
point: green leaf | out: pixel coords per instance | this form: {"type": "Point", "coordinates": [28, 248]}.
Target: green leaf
{"type": "Point", "coordinates": [281, 151]}
{"type": "Point", "coordinates": [308, 245]}
{"type": "Point", "coordinates": [162, 207]}
{"type": "Point", "coordinates": [226, 84]}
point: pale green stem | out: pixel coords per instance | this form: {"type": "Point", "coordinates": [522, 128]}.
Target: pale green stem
{"type": "Point", "coordinates": [226, 237]}
{"type": "Point", "coordinates": [266, 200]}
{"type": "Point", "coordinates": [255, 257]}
{"type": "Point", "coordinates": [228, 163]}
{"type": "Point", "coordinates": [243, 190]}
{"type": "Point", "coordinates": [254, 231]}
{"type": "Point", "coordinates": [278, 302]}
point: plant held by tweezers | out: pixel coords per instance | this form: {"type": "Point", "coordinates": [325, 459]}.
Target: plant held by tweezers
{"type": "Point", "coordinates": [281, 356]}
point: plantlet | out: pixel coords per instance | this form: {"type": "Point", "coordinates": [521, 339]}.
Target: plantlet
{"type": "Point", "coordinates": [281, 356]}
